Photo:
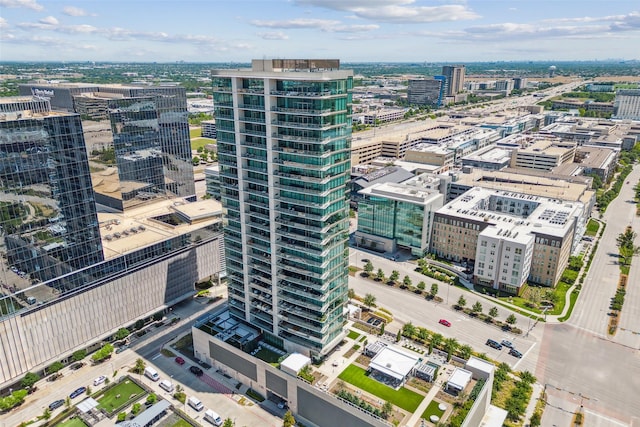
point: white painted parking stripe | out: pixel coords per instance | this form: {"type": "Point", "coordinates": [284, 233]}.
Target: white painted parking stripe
{"type": "Point", "coordinates": [156, 356]}
{"type": "Point", "coordinates": [610, 421]}
{"type": "Point", "coordinates": [523, 356]}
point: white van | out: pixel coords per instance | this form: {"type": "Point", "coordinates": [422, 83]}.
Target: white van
{"type": "Point", "coordinates": [166, 385]}
{"type": "Point", "coordinates": [195, 403]}
{"type": "Point", "coordinates": [151, 373]}
{"type": "Point", "coordinates": [213, 417]}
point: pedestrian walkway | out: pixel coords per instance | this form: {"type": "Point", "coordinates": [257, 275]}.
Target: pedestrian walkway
{"type": "Point", "coordinates": [535, 396]}
{"type": "Point", "coordinates": [414, 420]}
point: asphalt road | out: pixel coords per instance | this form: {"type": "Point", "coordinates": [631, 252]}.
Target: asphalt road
{"type": "Point", "coordinates": [408, 307]}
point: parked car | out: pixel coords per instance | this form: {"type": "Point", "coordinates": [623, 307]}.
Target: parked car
{"type": "Point", "coordinates": [444, 322]}
{"type": "Point", "coordinates": [179, 360]}
{"type": "Point", "coordinates": [77, 366]}
{"type": "Point", "coordinates": [196, 371]}
{"type": "Point", "coordinates": [494, 344]}
{"type": "Point", "coordinates": [515, 353]}
{"type": "Point", "coordinates": [121, 349]}
{"type": "Point", "coordinates": [77, 392]}
{"type": "Point", "coordinates": [506, 343]}
{"type": "Point", "coordinates": [99, 380]}
{"type": "Point", "coordinates": [56, 404]}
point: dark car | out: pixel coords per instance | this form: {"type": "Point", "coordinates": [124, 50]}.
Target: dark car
{"type": "Point", "coordinates": [56, 404]}
{"type": "Point", "coordinates": [196, 371]}
{"type": "Point", "coordinates": [77, 366]}
{"type": "Point", "coordinates": [515, 353]}
{"type": "Point", "coordinates": [494, 344]}
{"type": "Point", "coordinates": [121, 349]}
{"type": "Point", "coordinates": [507, 343]}
{"type": "Point", "coordinates": [77, 392]}
{"type": "Point", "coordinates": [179, 360]}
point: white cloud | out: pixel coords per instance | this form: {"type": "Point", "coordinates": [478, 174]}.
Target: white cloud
{"type": "Point", "coordinates": [76, 11]}
{"type": "Point", "coordinates": [299, 23]}
{"type": "Point", "coordinates": [273, 35]}
{"type": "Point", "coordinates": [28, 4]}
{"type": "Point", "coordinates": [396, 11]}
{"type": "Point", "coordinates": [3, 23]}
{"type": "Point", "coordinates": [329, 26]}
{"type": "Point", "coordinates": [49, 20]}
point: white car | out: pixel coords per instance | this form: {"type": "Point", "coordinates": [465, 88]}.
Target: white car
{"type": "Point", "coordinates": [99, 380]}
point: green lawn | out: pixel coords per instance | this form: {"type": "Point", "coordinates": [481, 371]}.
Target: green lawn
{"type": "Point", "coordinates": [181, 423]}
{"type": "Point", "coordinates": [72, 422]}
{"type": "Point", "coordinates": [201, 142]}
{"type": "Point", "coordinates": [195, 133]}
{"type": "Point", "coordinates": [402, 398]}
{"type": "Point", "coordinates": [592, 228]}
{"type": "Point", "coordinates": [353, 335]}
{"type": "Point", "coordinates": [268, 355]}
{"type": "Point", "coordinates": [432, 409]}
{"type": "Point", "coordinates": [125, 389]}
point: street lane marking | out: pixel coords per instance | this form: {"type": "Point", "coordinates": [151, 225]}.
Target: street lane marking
{"type": "Point", "coordinates": [156, 356]}
{"type": "Point", "coordinates": [610, 420]}
{"type": "Point", "coordinates": [515, 366]}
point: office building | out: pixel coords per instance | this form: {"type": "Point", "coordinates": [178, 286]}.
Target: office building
{"type": "Point", "coordinates": [627, 104]}
{"type": "Point", "coordinates": [397, 216]}
{"type": "Point", "coordinates": [454, 75]}
{"type": "Point", "coordinates": [509, 238]}
{"type": "Point", "coordinates": [212, 179]}
{"type": "Point", "coordinates": [208, 129]}
{"type": "Point", "coordinates": [427, 92]}
{"type": "Point", "coordinates": [284, 139]}
{"type": "Point", "coordinates": [72, 276]}
{"type": "Point", "coordinates": [543, 155]}
{"type": "Point", "coordinates": [137, 139]}
{"type": "Point", "coordinates": [520, 83]}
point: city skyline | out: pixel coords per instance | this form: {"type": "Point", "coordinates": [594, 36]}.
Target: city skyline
{"type": "Point", "coordinates": [352, 30]}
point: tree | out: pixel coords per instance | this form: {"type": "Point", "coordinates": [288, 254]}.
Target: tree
{"type": "Point", "coordinates": [395, 274]}
{"type": "Point", "coordinates": [398, 336]}
{"type": "Point", "coordinates": [88, 392]}
{"type": "Point", "coordinates": [511, 319]}
{"type": "Point", "coordinates": [406, 281]}
{"type": "Point", "coordinates": [466, 351]}
{"type": "Point", "coordinates": [477, 307]}
{"type": "Point", "coordinates": [228, 423]}
{"type": "Point", "coordinates": [29, 380]}
{"type": "Point", "coordinates": [493, 313]}
{"type": "Point", "coordinates": [139, 324]}
{"type": "Point", "coordinates": [139, 366]}
{"type": "Point", "coordinates": [409, 330]}
{"type": "Point", "coordinates": [122, 416]}
{"type": "Point", "coordinates": [351, 293]}
{"type": "Point", "coordinates": [67, 402]}
{"type": "Point", "coordinates": [423, 334]}
{"type": "Point", "coordinates": [435, 341]}
{"type": "Point", "coordinates": [421, 285]}
{"type": "Point", "coordinates": [461, 302]}
{"type": "Point", "coordinates": [78, 355]}
{"type": "Point", "coordinates": [55, 367]}
{"type": "Point", "coordinates": [152, 398]}
{"type": "Point", "coordinates": [368, 268]}
{"type": "Point", "coordinates": [369, 301]}
{"type": "Point", "coordinates": [450, 346]}
{"type": "Point", "coordinates": [535, 420]}
{"type": "Point", "coordinates": [195, 161]}
{"type": "Point", "coordinates": [434, 290]}
{"type": "Point", "coordinates": [137, 407]}
{"type": "Point", "coordinates": [288, 420]}
{"type": "Point", "coordinates": [122, 333]}
{"type": "Point", "coordinates": [380, 275]}
{"type": "Point", "coordinates": [386, 409]}
{"type": "Point", "coordinates": [46, 414]}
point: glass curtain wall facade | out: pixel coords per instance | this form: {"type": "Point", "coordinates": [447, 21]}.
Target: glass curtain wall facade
{"type": "Point", "coordinates": [284, 142]}
{"type": "Point", "coordinates": [48, 220]}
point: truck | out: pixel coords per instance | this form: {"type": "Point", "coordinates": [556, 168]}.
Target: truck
{"type": "Point", "coordinates": [213, 417]}
{"type": "Point", "coordinates": [151, 373]}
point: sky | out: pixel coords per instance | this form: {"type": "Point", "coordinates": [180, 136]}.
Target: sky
{"type": "Point", "coordinates": [349, 30]}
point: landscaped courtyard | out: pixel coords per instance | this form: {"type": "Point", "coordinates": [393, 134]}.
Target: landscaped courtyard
{"type": "Point", "coordinates": [402, 398]}
{"type": "Point", "coordinates": [118, 395]}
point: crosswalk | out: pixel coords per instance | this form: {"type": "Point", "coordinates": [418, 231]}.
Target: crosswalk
{"type": "Point", "coordinates": [214, 384]}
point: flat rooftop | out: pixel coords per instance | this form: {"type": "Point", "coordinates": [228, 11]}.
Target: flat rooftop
{"type": "Point", "coordinates": [407, 193]}
{"type": "Point", "coordinates": [529, 182]}
{"type": "Point", "coordinates": [394, 362]}
{"type": "Point", "coordinates": [138, 227]}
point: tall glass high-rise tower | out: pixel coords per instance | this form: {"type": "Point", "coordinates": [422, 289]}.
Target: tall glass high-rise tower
{"type": "Point", "coordinates": [284, 138]}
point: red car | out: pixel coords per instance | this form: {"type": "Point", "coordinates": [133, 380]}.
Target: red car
{"type": "Point", "coordinates": [179, 360]}
{"type": "Point", "coordinates": [444, 322]}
